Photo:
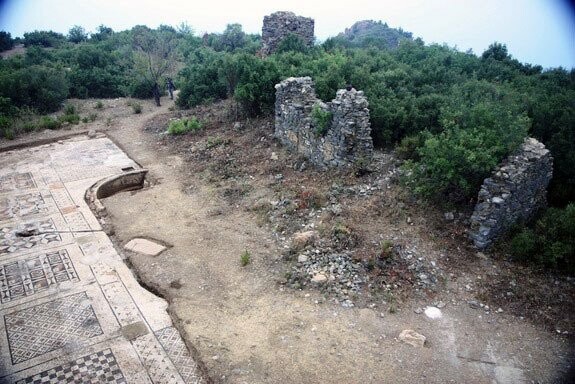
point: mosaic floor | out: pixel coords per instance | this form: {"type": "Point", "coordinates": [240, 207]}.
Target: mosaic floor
{"type": "Point", "coordinates": [70, 309]}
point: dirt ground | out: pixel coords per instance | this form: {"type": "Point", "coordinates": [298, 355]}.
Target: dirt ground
{"type": "Point", "coordinates": [214, 195]}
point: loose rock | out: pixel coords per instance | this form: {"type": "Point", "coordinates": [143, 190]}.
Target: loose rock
{"type": "Point", "coordinates": [413, 338]}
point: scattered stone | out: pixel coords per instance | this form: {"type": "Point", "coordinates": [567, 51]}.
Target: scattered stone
{"type": "Point", "coordinates": [418, 311]}
{"type": "Point", "coordinates": [440, 304]}
{"type": "Point", "coordinates": [301, 240]}
{"type": "Point", "coordinates": [449, 216]}
{"type": "Point", "coordinates": [144, 246]}
{"type": "Point", "coordinates": [319, 278]}
{"type": "Point", "coordinates": [238, 126]}
{"type": "Point", "coordinates": [92, 133]}
{"type": "Point", "coordinates": [412, 338]}
{"type": "Point", "coordinates": [473, 304]}
{"type": "Point", "coordinates": [274, 156]}
{"type": "Point", "coordinates": [499, 310]}
{"type": "Point", "coordinates": [302, 258]}
{"type": "Point", "coordinates": [433, 312]}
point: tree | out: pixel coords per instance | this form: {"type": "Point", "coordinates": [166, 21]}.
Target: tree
{"type": "Point", "coordinates": [6, 41]}
{"type": "Point", "coordinates": [496, 51]}
{"type": "Point", "coordinates": [44, 38]}
{"type": "Point", "coordinates": [102, 33]}
{"type": "Point", "coordinates": [233, 37]}
{"type": "Point", "coordinates": [155, 55]}
{"type": "Point", "coordinates": [77, 34]}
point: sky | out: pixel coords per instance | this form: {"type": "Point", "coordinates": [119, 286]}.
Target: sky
{"type": "Point", "coordinates": [535, 31]}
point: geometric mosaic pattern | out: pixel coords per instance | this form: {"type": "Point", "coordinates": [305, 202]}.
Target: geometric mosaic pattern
{"type": "Point", "coordinates": [22, 205]}
{"type": "Point", "coordinates": [16, 181]}
{"type": "Point", "coordinates": [26, 277]}
{"type": "Point", "coordinates": [37, 330]}
{"type": "Point", "coordinates": [38, 232]}
{"type": "Point", "coordinates": [99, 367]}
{"type": "Point", "coordinates": [174, 346]}
{"type": "Point", "coordinates": [155, 359]}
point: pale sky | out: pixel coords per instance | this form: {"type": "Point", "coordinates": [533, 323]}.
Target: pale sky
{"type": "Point", "coordinates": [535, 31]}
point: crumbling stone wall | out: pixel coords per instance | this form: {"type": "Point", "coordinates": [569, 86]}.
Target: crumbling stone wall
{"type": "Point", "coordinates": [515, 191]}
{"type": "Point", "coordinates": [280, 25]}
{"type": "Point", "coordinates": [347, 137]}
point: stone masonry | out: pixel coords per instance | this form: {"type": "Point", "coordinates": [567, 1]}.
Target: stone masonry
{"type": "Point", "coordinates": [346, 139]}
{"type": "Point", "coordinates": [515, 191]}
{"type": "Point", "coordinates": [280, 25]}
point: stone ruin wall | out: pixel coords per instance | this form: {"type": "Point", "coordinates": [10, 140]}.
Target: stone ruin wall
{"type": "Point", "coordinates": [280, 25]}
{"type": "Point", "coordinates": [348, 136]}
{"type": "Point", "coordinates": [514, 193]}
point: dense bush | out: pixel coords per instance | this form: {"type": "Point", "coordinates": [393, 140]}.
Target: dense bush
{"type": "Point", "coordinates": [36, 86]}
{"type": "Point", "coordinates": [44, 38]}
{"type": "Point", "coordinates": [77, 34]}
{"type": "Point", "coordinates": [481, 126]}
{"type": "Point", "coordinates": [455, 114]}
{"type": "Point", "coordinates": [551, 241]}
{"type": "Point", "coordinates": [6, 41]}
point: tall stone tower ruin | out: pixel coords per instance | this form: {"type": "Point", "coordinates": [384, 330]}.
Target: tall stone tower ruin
{"type": "Point", "coordinates": [280, 25]}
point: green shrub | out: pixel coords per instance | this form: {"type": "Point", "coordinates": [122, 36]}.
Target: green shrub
{"type": "Point", "coordinates": [482, 125]}
{"type": "Point", "coordinates": [47, 122]}
{"type": "Point", "coordinates": [38, 87]}
{"type": "Point", "coordinates": [523, 244]}
{"type": "Point", "coordinates": [245, 258]}
{"type": "Point", "coordinates": [92, 116]}
{"type": "Point", "coordinates": [321, 120]}
{"type": "Point", "coordinates": [8, 133]}
{"type": "Point", "coordinates": [6, 41]}
{"type": "Point", "coordinates": [141, 89]}
{"type": "Point", "coordinates": [409, 146]}
{"type": "Point", "coordinates": [69, 118]}
{"type": "Point", "coordinates": [69, 109]}
{"type": "Point", "coordinates": [99, 105]}
{"type": "Point", "coordinates": [181, 126]}
{"type": "Point", "coordinates": [6, 127]}
{"type": "Point", "coordinates": [44, 38]}
{"type": "Point", "coordinates": [551, 242]}
{"type": "Point", "coordinates": [137, 108]}
{"type": "Point", "coordinates": [213, 142]}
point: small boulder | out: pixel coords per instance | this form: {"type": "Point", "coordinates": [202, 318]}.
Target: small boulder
{"type": "Point", "coordinates": [411, 337]}
{"type": "Point", "coordinates": [301, 240]}
{"type": "Point", "coordinates": [302, 258]}
{"type": "Point", "coordinates": [432, 312]}
{"type": "Point", "coordinates": [319, 278]}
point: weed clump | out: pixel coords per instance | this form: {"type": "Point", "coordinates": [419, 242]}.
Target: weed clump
{"type": "Point", "coordinates": [245, 258]}
{"type": "Point", "coordinates": [321, 119]}
{"type": "Point", "coordinates": [181, 126]}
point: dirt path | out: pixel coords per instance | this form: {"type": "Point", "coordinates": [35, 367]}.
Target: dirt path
{"type": "Point", "coordinates": [248, 328]}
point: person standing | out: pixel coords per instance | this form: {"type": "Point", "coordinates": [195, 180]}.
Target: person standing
{"type": "Point", "coordinates": [171, 87]}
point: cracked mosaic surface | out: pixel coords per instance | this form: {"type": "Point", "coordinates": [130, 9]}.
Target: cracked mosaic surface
{"type": "Point", "coordinates": [16, 181]}
{"type": "Point", "coordinates": [22, 205]}
{"type": "Point", "coordinates": [43, 328]}
{"type": "Point", "coordinates": [35, 233]}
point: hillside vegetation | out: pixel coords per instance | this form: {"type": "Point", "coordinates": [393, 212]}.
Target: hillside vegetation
{"type": "Point", "coordinates": [452, 116]}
